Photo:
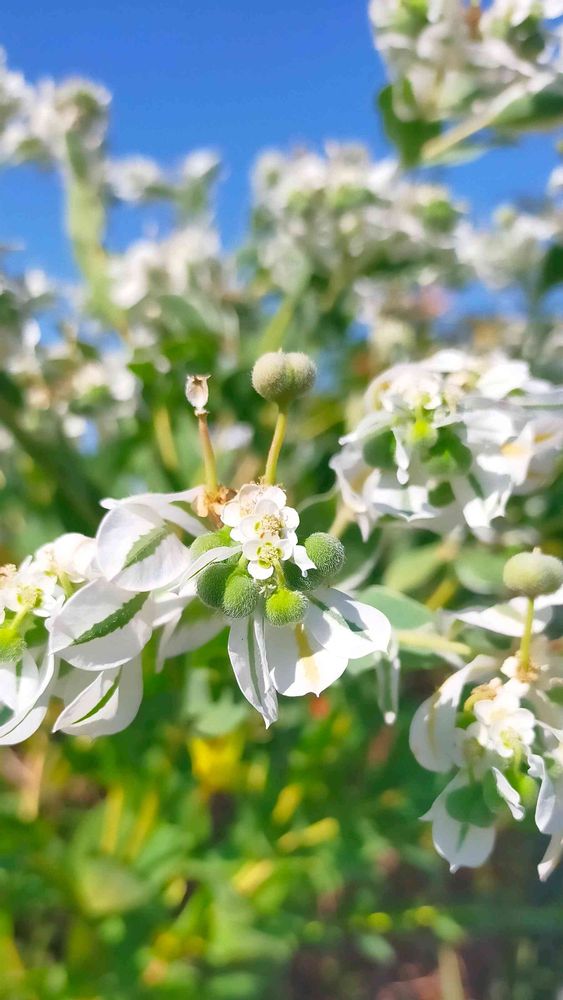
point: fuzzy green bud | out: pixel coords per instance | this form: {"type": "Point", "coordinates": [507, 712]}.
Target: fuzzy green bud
{"type": "Point", "coordinates": [211, 584]}
{"type": "Point", "coordinates": [532, 574]}
{"type": "Point", "coordinates": [280, 377]}
{"type": "Point", "coordinates": [296, 579]}
{"type": "Point", "coordinates": [327, 553]}
{"type": "Point", "coordinates": [240, 596]}
{"type": "Point", "coordinates": [286, 607]}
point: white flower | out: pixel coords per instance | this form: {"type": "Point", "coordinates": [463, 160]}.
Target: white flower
{"type": "Point", "coordinates": [29, 588]}
{"type": "Point", "coordinates": [244, 504]}
{"type": "Point", "coordinates": [265, 527]}
{"type": "Point", "coordinates": [24, 692]}
{"type": "Point", "coordinates": [71, 557]}
{"type": "Point", "coordinates": [433, 733]}
{"type": "Point", "coordinates": [502, 725]}
{"type": "Point", "coordinates": [133, 177]}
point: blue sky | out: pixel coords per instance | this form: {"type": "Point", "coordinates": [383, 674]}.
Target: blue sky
{"type": "Point", "coordinates": [236, 77]}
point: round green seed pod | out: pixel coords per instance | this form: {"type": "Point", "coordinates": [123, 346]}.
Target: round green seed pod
{"type": "Point", "coordinates": [297, 581]}
{"type": "Point", "coordinates": [327, 553]}
{"type": "Point", "coordinates": [240, 596]}
{"type": "Point", "coordinates": [286, 607]}
{"type": "Point", "coordinates": [211, 584]}
{"type": "Point", "coordinates": [280, 377]}
{"type": "Point", "coordinates": [532, 574]}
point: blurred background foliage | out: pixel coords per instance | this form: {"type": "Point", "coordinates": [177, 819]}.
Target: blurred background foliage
{"type": "Point", "coordinates": [195, 854]}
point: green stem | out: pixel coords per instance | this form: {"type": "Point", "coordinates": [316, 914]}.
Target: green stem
{"type": "Point", "coordinates": [211, 480]}
{"type": "Point", "coordinates": [527, 636]}
{"type": "Point", "coordinates": [276, 447]}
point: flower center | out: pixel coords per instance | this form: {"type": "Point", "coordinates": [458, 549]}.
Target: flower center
{"type": "Point", "coordinates": [270, 524]}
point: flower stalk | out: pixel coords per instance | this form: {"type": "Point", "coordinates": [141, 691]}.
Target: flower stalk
{"type": "Point", "coordinates": [276, 446]}
{"type": "Point", "coordinates": [524, 655]}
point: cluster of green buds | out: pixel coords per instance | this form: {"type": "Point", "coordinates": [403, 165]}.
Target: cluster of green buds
{"type": "Point", "coordinates": [229, 587]}
{"type": "Point", "coordinates": [267, 567]}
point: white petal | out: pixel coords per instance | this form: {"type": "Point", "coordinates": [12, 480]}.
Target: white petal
{"type": "Point", "coordinates": [551, 858]}
{"type": "Point", "coordinates": [179, 638]}
{"type": "Point", "coordinates": [125, 689]}
{"type": "Point", "coordinates": [299, 664]}
{"type": "Point", "coordinates": [290, 518]}
{"type": "Point", "coordinates": [259, 570]}
{"type": "Point", "coordinates": [358, 615]}
{"type": "Point", "coordinates": [32, 698]}
{"type": "Point", "coordinates": [276, 495]}
{"type": "Point", "coordinates": [331, 630]}
{"type": "Point", "coordinates": [247, 652]}
{"type": "Point", "coordinates": [301, 559]}
{"type": "Point", "coordinates": [549, 806]}
{"type": "Point", "coordinates": [93, 605]}
{"type": "Point", "coordinates": [230, 514]}
{"type": "Point", "coordinates": [264, 507]}
{"type": "Point", "coordinates": [509, 794]}
{"type": "Point", "coordinates": [125, 527]}
{"type": "Point", "coordinates": [506, 619]}
{"type": "Point", "coordinates": [461, 844]}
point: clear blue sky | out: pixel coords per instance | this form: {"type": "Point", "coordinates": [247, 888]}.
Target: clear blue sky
{"type": "Point", "coordinates": [235, 76]}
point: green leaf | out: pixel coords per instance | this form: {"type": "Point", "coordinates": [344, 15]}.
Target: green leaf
{"type": "Point", "coordinates": [317, 513]}
{"type": "Point", "coordinates": [403, 612]}
{"type": "Point", "coordinates": [408, 136]}
{"type": "Point", "coordinates": [480, 571]}
{"type": "Point", "coordinates": [552, 269]}
{"type": "Point", "coordinates": [146, 545]}
{"type": "Point", "coordinates": [534, 112]}
{"type": "Point", "coordinates": [118, 619]}
{"type": "Point", "coordinates": [555, 695]}
{"type": "Point", "coordinates": [413, 568]}
{"type": "Point", "coordinates": [467, 805]}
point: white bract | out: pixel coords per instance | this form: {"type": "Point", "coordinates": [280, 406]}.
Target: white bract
{"type": "Point", "coordinates": [450, 60]}
{"type": "Point", "coordinates": [448, 440]}
{"type": "Point", "coordinates": [305, 658]}
{"type": "Point", "coordinates": [492, 721]}
{"type": "Point", "coordinates": [102, 599]}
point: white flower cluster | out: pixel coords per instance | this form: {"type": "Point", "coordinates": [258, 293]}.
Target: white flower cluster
{"type": "Point", "coordinates": [138, 178]}
{"type": "Point", "coordinates": [77, 616]}
{"type": "Point", "coordinates": [497, 722]}
{"type": "Point", "coordinates": [37, 120]}
{"type": "Point", "coordinates": [450, 58]}
{"type": "Point", "coordinates": [448, 440]}
{"type": "Point", "coordinates": [316, 214]}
